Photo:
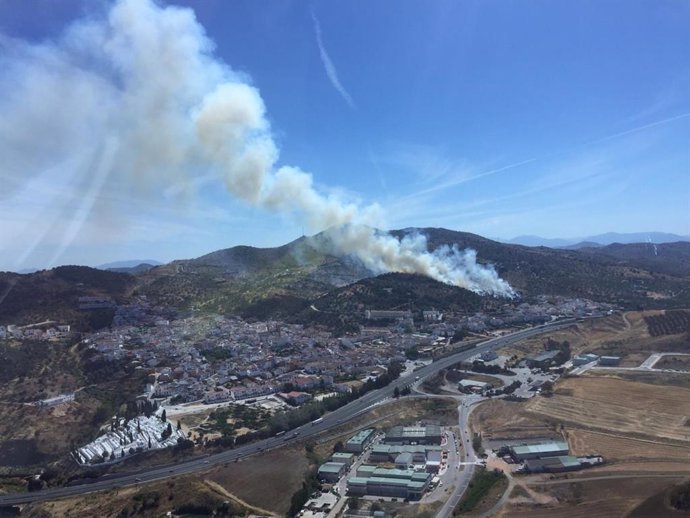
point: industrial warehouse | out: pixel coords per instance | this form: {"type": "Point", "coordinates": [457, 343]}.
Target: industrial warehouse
{"type": "Point", "coordinates": [429, 434]}
{"type": "Point", "coordinates": [550, 457]}
{"type": "Point", "coordinates": [358, 442]}
{"type": "Point", "coordinates": [414, 451]}
{"type": "Point", "coordinates": [401, 483]}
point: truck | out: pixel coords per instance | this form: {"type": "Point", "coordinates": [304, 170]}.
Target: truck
{"type": "Point", "coordinates": [317, 421]}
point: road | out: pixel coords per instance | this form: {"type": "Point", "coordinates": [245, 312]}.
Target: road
{"type": "Point", "coordinates": [469, 458]}
{"type": "Point", "coordinates": [329, 421]}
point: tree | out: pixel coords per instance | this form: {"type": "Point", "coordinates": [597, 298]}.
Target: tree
{"type": "Point", "coordinates": [179, 425]}
{"type": "Point", "coordinates": [353, 503]}
{"type": "Point", "coordinates": [396, 392]}
{"type": "Point", "coordinates": [164, 416]}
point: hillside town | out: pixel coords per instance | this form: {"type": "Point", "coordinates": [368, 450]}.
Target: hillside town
{"type": "Point", "coordinates": [214, 359]}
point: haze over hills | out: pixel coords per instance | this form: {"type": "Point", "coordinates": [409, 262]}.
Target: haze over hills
{"type": "Point", "coordinates": [607, 238]}
{"type": "Point", "coordinates": [283, 281]}
{"type": "Point", "coordinates": [131, 263]}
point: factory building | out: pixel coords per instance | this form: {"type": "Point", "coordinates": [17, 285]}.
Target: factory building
{"type": "Point", "coordinates": [430, 434]}
{"type": "Point", "coordinates": [539, 450]}
{"type": "Point", "coordinates": [341, 456]}
{"type": "Point", "coordinates": [358, 442]}
{"type": "Point", "coordinates": [609, 361]}
{"type": "Point", "coordinates": [559, 464]}
{"type": "Point", "coordinates": [332, 471]}
{"type": "Point", "coordinates": [474, 386]}
{"type": "Point", "coordinates": [389, 452]}
{"type": "Point", "coordinates": [404, 460]}
{"type": "Point", "coordinates": [584, 359]}
{"type": "Point", "coordinates": [398, 483]}
{"type": "Point", "coordinates": [488, 356]}
{"type": "Point", "coordinates": [377, 314]}
{"type": "Point", "coordinates": [541, 360]}
{"type": "Point", "coordinates": [433, 462]}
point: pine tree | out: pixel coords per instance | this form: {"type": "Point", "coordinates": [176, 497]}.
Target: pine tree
{"type": "Point", "coordinates": [164, 417]}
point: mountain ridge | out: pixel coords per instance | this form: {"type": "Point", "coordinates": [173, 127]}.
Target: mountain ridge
{"type": "Point", "coordinates": [283, 281]}
{"type": "Point", "coordinates": [604, 239]}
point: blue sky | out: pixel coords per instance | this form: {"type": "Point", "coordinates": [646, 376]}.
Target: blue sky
{"type": "Point", "coordinates": [501, 118]}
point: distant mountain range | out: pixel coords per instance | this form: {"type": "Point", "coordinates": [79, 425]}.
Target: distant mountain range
{"type": "Point", "coordinates": [598, 240]}
{"type": "Point", "coordinates": [131, 266]}
{"type": "Point", "coordinates": [286, 281]}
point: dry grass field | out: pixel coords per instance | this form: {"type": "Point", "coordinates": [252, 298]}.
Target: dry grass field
{"type": "Point", "coordinates": [623, 335]}
{"type": "Point", "coordinates": [625, 449]}
{"type": "Point", "coordinates": [500, 419]}
{"type": "Point", "coordinates": [604, 498]}
{"type": "Point", "coordinates": [623, 407]}
{"type": "Point", "coordinates": [673, 362]}
{"type": "Point", "coordinates": [282, 470]}
{"type": "Point", "coordinates": [150, 500]}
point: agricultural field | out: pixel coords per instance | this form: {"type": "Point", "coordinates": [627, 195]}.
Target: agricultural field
{"type": "Point", "coordinates": [671, 322]}
{"type": "Point", "coordinates": [625, 449]}
{"type": "Point", "coordinates": [625, 407]}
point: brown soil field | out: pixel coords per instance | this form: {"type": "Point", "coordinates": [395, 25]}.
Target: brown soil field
{"type": "Point", "coordinates": [500, 419]}
{"type": "Point", "coordinates": [621, 449]}
{"type": "Point", "coordinates": [596, 498]}
{"type": "Point", "coordinates": [150, 500]}
{"type": "Point", "coordinates": [659, 504]}
{"type": "Point", "coordinates": [281, 470]}
{"type": "Point", "coordinates": [681, 363]}
{"type": "Point", "coordinates": [49, 431]}
{"type": "Point", "coordinates": [625, 407]}
{"type": "Point", "coordinates": [665, 379]}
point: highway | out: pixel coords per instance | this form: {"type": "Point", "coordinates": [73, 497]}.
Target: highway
{"type": "Point", "coordinates": [329, 421]}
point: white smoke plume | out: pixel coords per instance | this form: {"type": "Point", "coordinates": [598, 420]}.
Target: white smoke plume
{"type": "Point", "coordinates": [141, 82]}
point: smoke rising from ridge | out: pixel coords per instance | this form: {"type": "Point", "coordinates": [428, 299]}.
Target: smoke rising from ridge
{"type": "Point", "coordinates": [142, 82]}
